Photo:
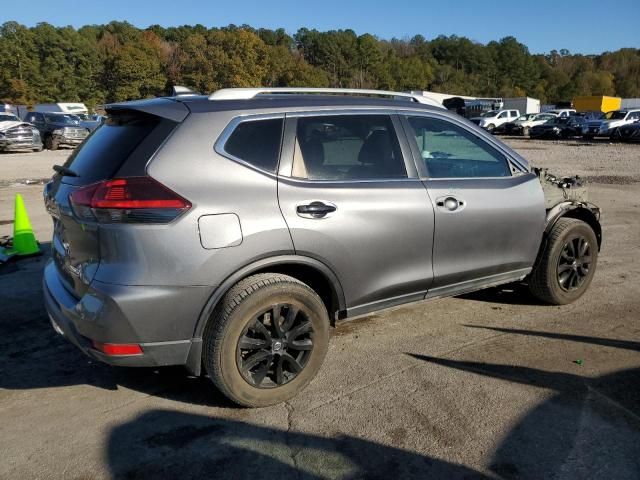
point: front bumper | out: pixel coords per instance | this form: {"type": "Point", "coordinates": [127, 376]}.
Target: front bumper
{"type": "Point", "coordinates": [101, 316]}
{"type": "Point", "coordinates": [68, 141]}
{"type": "Point", "coordinates": [16, 145]}
{"type": "Point", "coordinates": [597, 132]}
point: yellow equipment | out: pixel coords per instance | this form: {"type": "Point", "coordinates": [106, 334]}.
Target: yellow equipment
{"type": "Point", "coordinates": [597, 103]}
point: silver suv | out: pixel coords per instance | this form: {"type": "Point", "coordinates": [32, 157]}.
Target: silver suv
{"type": "Point", "coordinates": [228, 233]}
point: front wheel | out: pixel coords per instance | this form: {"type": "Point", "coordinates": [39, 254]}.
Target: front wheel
{"type": "Point", "coordinates": [51, 143]}
{"type": "Point", "coordinates": [491, 127]}
{"type": "Point", "coordinates": [267, 340]}
{"type": "Point", "coordinates": [568, 263]}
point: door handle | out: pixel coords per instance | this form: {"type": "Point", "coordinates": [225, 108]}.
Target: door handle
{"type": "Point", "coordinates": [450, 204]}
{"type": "Point", "coordinates": [315, 209]}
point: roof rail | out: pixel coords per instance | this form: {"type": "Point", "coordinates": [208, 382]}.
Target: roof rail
{"type": "Point", "coordinates": [248, 93]}
{"type": "Point", "coordinates": [179, 91]}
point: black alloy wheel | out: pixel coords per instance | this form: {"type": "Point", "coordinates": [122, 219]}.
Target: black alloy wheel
{"type": "Point", "coordinates": [574, 263]}
{"type": "Point", "coordinates": [275, 347]}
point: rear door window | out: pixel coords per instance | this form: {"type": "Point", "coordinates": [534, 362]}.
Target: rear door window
{"type": "Point", "coordinates": [347, 147]}
{"type": "Point", "coordinates": [106, 149]}
{"type": "Point", "coordinates": [257, 142]}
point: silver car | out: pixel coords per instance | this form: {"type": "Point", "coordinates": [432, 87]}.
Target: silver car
{"type": "Point", "coordinates": [229, 233]}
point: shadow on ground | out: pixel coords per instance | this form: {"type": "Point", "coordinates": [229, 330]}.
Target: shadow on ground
{"type": "Point", "coordinates": [510, 294]}
{"type": "Point", "coordinates": [589, 427]}
{"type": "Point", "coordinates": [169, 444]}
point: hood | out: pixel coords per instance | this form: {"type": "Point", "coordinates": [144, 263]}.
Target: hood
{"type": "Point", "coordinates": [4, 126]}
{"type": "Point", "coordinates": [608, 123]}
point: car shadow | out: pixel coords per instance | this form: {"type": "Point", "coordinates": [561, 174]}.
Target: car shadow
{"type": "Point", "coordinates": [588, 428]}
{"type": "Point", "coordinates": [509, 294]}
{"type": "Point", "coordinates": [170, 444]}
{"type": "Point", "coordinates": [27, 339]}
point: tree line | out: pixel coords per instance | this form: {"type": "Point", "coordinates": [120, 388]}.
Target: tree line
{"type": "Point", "coordinates": [98, 64]}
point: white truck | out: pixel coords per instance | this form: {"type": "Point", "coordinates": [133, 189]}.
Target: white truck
{"type": "Point", "coordinates": [495, 118]}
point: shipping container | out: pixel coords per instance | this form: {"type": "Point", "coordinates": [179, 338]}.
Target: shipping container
{"type": "Point", "coordinates": [596, 103]}
{"type": "Point", "coordinates": [524, 104]}
{"type": "Point", "coordinates": [630, 103]}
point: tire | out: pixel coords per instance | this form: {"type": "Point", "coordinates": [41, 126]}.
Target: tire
{"type": "Point", "coordinates": [491, 127]}
{"type": "Point", "coordinates": [615, 136]}
{"type": "Point", "coordinates": [252, 302]}
{"type": "Point", "coordinates": [555, 265]}
{"type": "Point", "coordinates": [50, 143]}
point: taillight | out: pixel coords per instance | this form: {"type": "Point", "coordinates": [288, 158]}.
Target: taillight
{"type": "Point", "coordinates": [127, 200]}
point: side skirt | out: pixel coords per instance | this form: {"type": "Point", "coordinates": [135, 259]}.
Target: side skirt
{"type": "Point", "coordinates": [440, 292]}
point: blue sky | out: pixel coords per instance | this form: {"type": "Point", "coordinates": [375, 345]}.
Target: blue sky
{"type": "Point", "coordinates": [584, 26]}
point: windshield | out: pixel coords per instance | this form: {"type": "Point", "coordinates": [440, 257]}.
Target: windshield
{"type": "Point", "coordinates": [63, 118]}
{"type": "Point", "coordinates": [5, 117]}
{"type": "Point", "coordinates": [491, 113]}
{"type": "Point", "coordinates": [615, 115]}
{"type": "Point", "coordinates": [523, 118]}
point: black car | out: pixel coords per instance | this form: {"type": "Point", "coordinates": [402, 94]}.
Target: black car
{"type": "Point", "coordinates": [628, 133]}
{"type": "Point", "coordinates": [567, 127]}
{"type": "Point", "coordinates": [58, 129]}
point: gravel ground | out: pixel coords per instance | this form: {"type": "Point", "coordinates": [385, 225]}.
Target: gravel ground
{"type": "Point", "coordinates": [487, 385]}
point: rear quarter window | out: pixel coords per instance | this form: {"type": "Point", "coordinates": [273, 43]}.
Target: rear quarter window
{"type": "Point", "coordinates": [256, 142]}
{"type": "Point", "coordinates": [107, 148]}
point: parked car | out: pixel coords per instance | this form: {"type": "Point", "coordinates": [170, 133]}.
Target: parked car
{"type": "Point", "coordinates": [90, 122]}
{"type": "Point", "coordinates": [524, 123]}
{"type": "Point", "coordinates": [16, 135]}
{"type": "Point", "coordinates": [559, 127]}
{"type": "Point", "coordinates": [58, 129]}
{"type": "Point", "coordinates": [494, 118]}
{"type": "Point", "coordinates": [562, 112]}
{"type": "Point", "coordinates": [284, 214]}
{"type": "Point", "coordinates": [628, 133]}
{"type": "Point", "coordinates": [609, 123]}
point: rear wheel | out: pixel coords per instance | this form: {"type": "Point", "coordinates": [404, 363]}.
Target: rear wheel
{"type": "Point", "coordinates": [267, 340]}
{"type": "Point", "coordinates": [568, 263]}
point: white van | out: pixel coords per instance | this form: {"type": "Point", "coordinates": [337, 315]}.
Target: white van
{"type": "Point", "coordinates": [74, 108]}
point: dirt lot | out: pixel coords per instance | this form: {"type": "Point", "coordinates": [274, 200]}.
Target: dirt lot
{"type": "Point", "coordinates": [486, 385]}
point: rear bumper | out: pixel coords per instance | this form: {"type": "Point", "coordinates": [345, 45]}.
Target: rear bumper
{"type": "Point", "coordinates": [105, 314]}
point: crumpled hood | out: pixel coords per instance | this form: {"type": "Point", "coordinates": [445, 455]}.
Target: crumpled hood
{"type": "Point", "coordinates": [4, 126]}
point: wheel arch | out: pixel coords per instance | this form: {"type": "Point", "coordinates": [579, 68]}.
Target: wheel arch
{"type": "Point", "coordinates": [306, 269]}
{"type": "Point", "coordinates": [588, 213]}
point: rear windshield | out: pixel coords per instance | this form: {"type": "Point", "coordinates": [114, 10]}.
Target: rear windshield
{"type": "Point", "coordinates": [105, 150]}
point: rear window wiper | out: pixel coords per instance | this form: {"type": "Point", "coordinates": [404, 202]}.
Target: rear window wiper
{"type": "Point", "coordinates": [67, 172]}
